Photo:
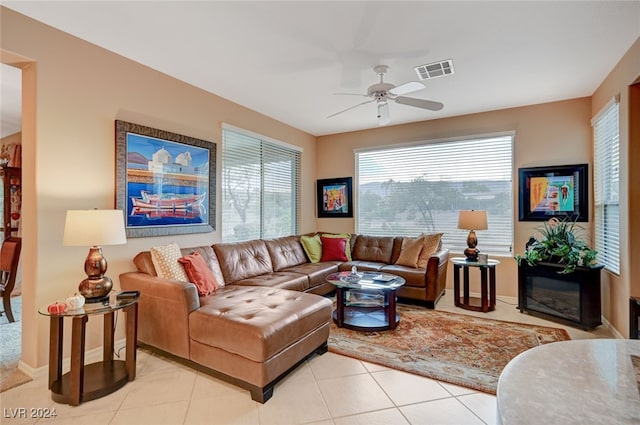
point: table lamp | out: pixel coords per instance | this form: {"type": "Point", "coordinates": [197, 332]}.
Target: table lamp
{"type": "Point", "coordinates": [94, 228]}
{"type": "Point", "coordinates": [472, 220]}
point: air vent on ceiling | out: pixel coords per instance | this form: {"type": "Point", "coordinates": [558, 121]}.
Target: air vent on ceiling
{"type": "Point", "coordinates": [435, 69]}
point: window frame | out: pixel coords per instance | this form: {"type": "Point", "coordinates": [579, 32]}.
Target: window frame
{"type": "Point", "coordinates": [457, 236]}
{"type": "Point", "coordinates": [606, 208]}
{"type": "Point", "coordinates": [267, 146]}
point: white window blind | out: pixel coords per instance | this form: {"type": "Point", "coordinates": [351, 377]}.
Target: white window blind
{"type": "Point", "coordinates": [606, 179]}
{"type": "Point", "coordinates": [260, 184]}
{"type": "Point", "coordinates": [421, 188]}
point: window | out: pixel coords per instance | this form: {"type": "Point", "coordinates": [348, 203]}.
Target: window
{"type": "Point", "coordinates": [606, 182]}
{"type": "Point", "coordinates": [260, 181]}
{"type": "Point", "coordinates": [421, 188]}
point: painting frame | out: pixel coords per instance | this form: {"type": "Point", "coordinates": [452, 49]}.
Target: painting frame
{"type": "Point", "coordinates": [158, 214]}
{"type": "Point", "coordinates": [338, 205]}
{"type": "Point", "coordinates": [554, 191]}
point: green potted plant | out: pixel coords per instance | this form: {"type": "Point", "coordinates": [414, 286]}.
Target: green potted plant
{"type": "Point", "coordinates": [560, 244]}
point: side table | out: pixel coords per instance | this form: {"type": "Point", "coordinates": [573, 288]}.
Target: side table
{"type": "Point", "coordinates": [487, 300]}
{"type": "Point", "coordinates": [95, 380]}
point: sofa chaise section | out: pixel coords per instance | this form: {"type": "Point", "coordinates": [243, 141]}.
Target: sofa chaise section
{"type": "Point", "coordinates": [250, 336]}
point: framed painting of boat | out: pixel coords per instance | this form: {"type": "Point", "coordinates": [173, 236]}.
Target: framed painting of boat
{"type": "Point", "coordinates": [165, 182]}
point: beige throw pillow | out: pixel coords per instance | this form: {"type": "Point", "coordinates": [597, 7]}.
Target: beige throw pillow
{"type": "Point", "coordinates": [430, 247]}
{"type": "Point", "coordinates": [165, 260]}
{"type": "Point", "coordinates": [410, 251]}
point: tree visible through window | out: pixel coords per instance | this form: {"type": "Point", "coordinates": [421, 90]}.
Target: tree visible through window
{"type": "Point", "coordinates": [421, 188]}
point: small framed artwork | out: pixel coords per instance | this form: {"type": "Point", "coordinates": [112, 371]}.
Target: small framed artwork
{"type": "Point", "coordinates": [334, 197]}
{"type": "Point", "coordinates": [165, 182]}
{"type": "Point", "coordinates": [560, 191]}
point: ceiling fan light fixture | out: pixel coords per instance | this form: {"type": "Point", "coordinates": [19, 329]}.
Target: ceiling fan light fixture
{"type": "Point", "coordinates": [382, 92]}
{"type": "Point", "coordinates": [383, 113]}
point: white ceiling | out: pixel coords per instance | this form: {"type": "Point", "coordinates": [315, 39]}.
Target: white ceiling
{"type": "Point", "coordinates": [288, 59]}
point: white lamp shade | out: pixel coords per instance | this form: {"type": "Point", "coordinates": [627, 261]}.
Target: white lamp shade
{"type": "Point", "coordinates": [94, 227]}
{"type": "Point", "coordinates": [472, 220]}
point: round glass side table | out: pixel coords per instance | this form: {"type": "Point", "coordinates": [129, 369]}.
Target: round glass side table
{"type": "Point", "coordinates": [88, 382]}
{"type": "Point", "coordinates": [487, 300]}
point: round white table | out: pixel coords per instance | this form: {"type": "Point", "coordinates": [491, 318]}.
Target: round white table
{"type": "Point", "coordinates": [589, 381]}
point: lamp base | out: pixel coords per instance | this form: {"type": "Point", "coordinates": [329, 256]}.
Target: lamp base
{"type": "Point", "coordinates": [96, 289]}
{"type": "Point", "coordinates": [471, 254]}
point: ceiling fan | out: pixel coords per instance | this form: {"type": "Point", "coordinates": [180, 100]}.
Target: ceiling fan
{"type": "Point", "coordinates": [382, 92]}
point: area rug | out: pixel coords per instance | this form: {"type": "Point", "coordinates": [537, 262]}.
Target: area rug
{"type": "Point", "coordinates": [455, 348]}
{"type": "Point", "coordinates": [10, 348]}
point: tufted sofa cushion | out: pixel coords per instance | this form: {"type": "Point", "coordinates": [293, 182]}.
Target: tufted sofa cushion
{"type": "Point", "coordinates": [377, 249]}
{"type": "Point", "coordinates": [286, 252]}
{"type": "Point", "coordinates": [241, 260]}
{"type": "Point", "coordinates": [266, 320]}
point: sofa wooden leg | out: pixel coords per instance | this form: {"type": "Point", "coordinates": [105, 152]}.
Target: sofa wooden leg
{"type": "Point", "coordinates": [261, 395]}
{"type": "Point", "coordinates": [322, 349]}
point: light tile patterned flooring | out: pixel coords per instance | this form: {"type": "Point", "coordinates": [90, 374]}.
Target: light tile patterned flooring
{"type": "Point", "coordinates": [325, 390]}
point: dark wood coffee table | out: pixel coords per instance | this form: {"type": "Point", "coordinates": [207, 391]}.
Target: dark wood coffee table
{"type": "Point", "coordinates": [367, 304]}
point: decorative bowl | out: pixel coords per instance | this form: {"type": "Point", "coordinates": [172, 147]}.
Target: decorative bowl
{"type": "Point", "coordinates": [351, 278]}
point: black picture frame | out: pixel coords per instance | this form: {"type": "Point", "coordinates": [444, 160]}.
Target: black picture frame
{"type": "Point", "coordinates": [159, 198]}
{"type": "Point", "coordinates": [554, 191]}
{"type": "Point", "coordinates": [334, 197]}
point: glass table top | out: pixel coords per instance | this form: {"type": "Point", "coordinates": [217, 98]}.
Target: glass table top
{"type": "Point", "coordinates": [366, 280]}
{"type": "Point", "coordinates": [111, 304]}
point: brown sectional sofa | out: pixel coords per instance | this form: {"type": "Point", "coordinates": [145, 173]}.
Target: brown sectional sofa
{"type": "Point", "coordinates": [268, 317]}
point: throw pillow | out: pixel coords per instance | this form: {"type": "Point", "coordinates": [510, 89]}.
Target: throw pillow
{"type": "Point", "coordinates": [199, 273]}
{"type": "Point", "coordinates": [165, 261]}
{"type": "Point", "coordinates": [431, 245]}
{"type": "Point", "coordinates": [346, 236]}
{"type": "Point", "coordinates": [333, 249]}
{"type": "Point", "coordinates": [410, 251]}
{"type": "Point", "coordinates": [312, 246]}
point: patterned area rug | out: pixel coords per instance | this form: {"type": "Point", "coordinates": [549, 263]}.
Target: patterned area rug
{"type": "Point", "coordinates": [455, 348]}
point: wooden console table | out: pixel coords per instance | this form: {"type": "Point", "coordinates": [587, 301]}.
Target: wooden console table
{"type": "Point", "coordinates": [95, 380]}
{"type": "Point", "coordinates": [487, 300]}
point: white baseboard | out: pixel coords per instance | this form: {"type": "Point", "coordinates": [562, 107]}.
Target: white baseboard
{"type": "Point", "coordinates": [613, 330]}
{"type": "Point", "coordinates": [92, 356]}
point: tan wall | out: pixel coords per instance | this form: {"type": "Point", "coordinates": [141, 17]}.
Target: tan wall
{"type": "Point", "coordinates": [77, 91]}
{"type": "Point", "coordinates": [548, 134]}
{"type": "Point", "coordinates": [617, 289]}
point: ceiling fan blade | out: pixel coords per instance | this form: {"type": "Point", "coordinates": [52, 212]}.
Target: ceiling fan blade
{"type": "Point", "coordinates": [383, 113]}
{"type": "Point", "coordinates": [407, 88]}
{"type": "Point", "coordinates": [351, 107]}
{"type": "Point", "coordinates": [419, 103]}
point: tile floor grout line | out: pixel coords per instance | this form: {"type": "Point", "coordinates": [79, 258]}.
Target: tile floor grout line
{"type": "Point", "coordinates": [315, 379]}
{"type": "Point", "coordinates": [470, 409]}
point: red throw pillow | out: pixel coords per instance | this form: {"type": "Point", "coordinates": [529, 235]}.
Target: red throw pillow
{"type": "Point", "coordinates": [334, 249]}
{"type": "Point", "coordinates": [199, 273]}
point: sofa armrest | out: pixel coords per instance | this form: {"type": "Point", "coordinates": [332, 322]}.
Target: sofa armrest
{"type": "Point", "coordinates": [163, 310]}
{"type": "Point", "coordinates": [442, 256]}
{"type": "Point", "coordinates": [436, 274]}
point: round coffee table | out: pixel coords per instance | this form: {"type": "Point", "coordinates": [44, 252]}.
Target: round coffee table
{"type": "Point", "coordinates": [366, 304]}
